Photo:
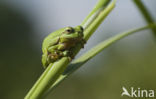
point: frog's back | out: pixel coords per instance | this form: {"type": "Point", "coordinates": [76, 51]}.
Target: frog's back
{"type": "Point", "coordinates": [49, 39]}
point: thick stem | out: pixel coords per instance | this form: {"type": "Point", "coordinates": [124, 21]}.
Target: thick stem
{"type": "Point", "coordinates": [48, 77]}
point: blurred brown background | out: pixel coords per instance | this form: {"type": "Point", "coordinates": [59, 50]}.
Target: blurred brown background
{"type": "Point", "coordinates": [129, 62]}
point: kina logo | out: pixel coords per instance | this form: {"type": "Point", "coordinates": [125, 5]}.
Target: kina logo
{"type": "Point", "coordinates": [141, 93]}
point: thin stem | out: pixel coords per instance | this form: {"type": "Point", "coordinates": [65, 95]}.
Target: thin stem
{"type": "Point", "coordinates": [53, 71]}
{"type": "Point", "coordinates": [92, 15]}
{"type": "Point", "coordinates": [101, 15]}
{"type": "Point", "coordinates": [94, 51]}
{"type": "Point", "coordinates": [145, 13]}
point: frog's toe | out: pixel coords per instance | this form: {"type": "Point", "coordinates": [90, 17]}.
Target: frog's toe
{"type": "Point", "coordinates": [66, 53]}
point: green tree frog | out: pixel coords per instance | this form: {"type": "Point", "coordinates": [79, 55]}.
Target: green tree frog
{"type": "Point", "coordinates": [60, 43]}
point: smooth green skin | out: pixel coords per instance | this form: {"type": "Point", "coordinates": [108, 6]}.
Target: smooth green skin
{"type": "Point", "coordinates": [58, 44]}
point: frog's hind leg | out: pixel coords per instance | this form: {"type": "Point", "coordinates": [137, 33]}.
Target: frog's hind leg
{"type": "Point", "coordinates": [44, 60]}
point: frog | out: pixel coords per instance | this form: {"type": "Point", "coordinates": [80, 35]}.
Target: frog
{"type": "Point", "coordinates": [60, 43]}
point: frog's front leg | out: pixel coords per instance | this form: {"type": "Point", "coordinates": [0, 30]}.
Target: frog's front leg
{"type": "Point", "coordinates": [53, 48]}
{"type": "Point", "coordinates": [58, 47]}
{"type": "Point", "coordinates": [57, 51]}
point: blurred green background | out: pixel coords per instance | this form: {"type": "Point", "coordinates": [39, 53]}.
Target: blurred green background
{"type": "Point", "coordinates": [131, 62]}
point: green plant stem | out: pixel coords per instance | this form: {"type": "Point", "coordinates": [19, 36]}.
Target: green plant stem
{"type": "Point", "coordinates": [147, 16]}
{"type": "Point", "coordinates": [101, 13]}
{"type": "Point", "coordinates": [49, 75]}
{"type": "Point", "coordinates": [53, 71]}
{"type": "Point", "coordinates": [92, 15]}
{"type": "Point", "coordinates": [94, 51]}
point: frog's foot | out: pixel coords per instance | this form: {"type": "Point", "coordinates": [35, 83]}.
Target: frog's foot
{"type": "Point", "coordinates": [67, 53]}
{"type": "Point", "coordinates": [52, 57]}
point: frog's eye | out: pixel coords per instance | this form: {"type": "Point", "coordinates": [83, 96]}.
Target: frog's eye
{"type": "Point", "coordinates": [69, 30]}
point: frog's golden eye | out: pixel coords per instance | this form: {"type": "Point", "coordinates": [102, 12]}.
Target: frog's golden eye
{"type": "Point", "coordinates": [69, 30]}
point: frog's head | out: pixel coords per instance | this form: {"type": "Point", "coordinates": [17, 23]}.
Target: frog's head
{"type": "Point", "coordinates": [78, 30]}
{"type": "Point", "coordinates": [72, 35]}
